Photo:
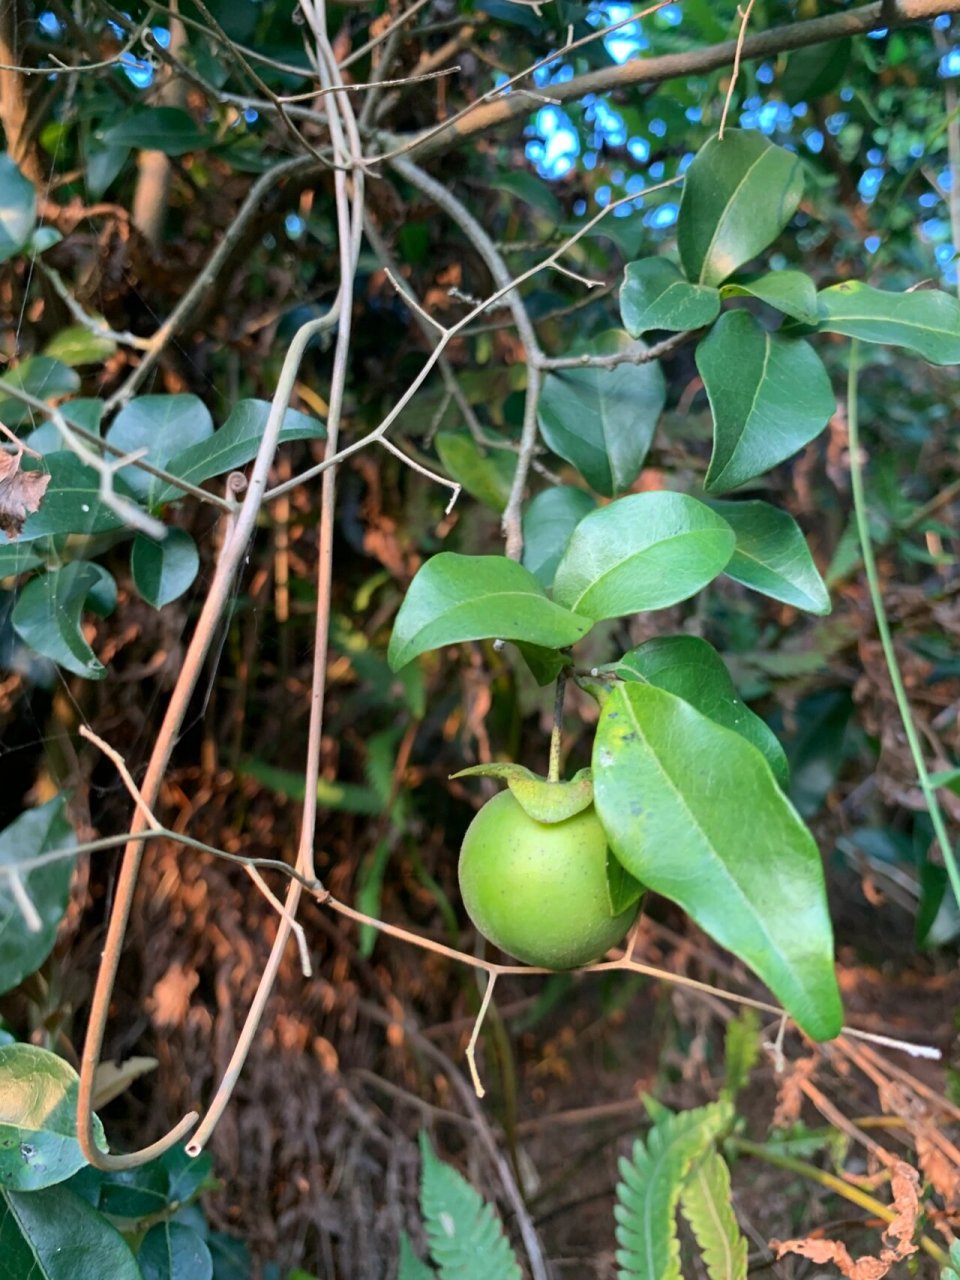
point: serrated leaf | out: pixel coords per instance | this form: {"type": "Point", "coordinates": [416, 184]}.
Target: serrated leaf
{"type": "Point", "coordinates": [654, 295]}
{"type": "Point", "coordinates": [769, 397]}
{"type": "Point", "coordinates": [926, 321]}
{"type": "Point", "coordinates": [455, 598]}
{"type": "Point", "coordinates": [18, 208]}
{"type": "Point", "coordinates": [55, 1235]}
{"type": "Point", "coordinates": [690, 668]}
{"type": "Point", "coordinates": [42, 377]}
{"type": "Point", "coordinates": [162, 571]}
{"type": "Point", "coordinates": [38, 1110]}
{"type": "Point", "coordinates": [706, 1203]}
{"type": "Point", "coordinates": [34, 832]}
{"type": "Point", "coordinates": [466, 1236]}
{"type": "Point", "coordinates": [486, 476]}
{"type": "Point", "coordinates": [168, 129]}
{"type": "Point", "coordinates": [163, 426]}
{"type": "Point", "coordinates": [741, 1051]}
{"type": "Point", "coordinates": [738, 195]}
{"type": "Point", "coordinates": [411, 1268]}
{"type": "Point", "coordinates": [792, 293]}
{"type": "Point", "coordinates": [602, 421]}
{"type": "Point", "coordinates": [48, 612]}
{"type": "Point", "coordinates": [772, 555]}
{"type": "Point", "coordinates": [645, 551]}
{"type": "Point", "coordinates": [672, 789]}
{"type": "Point", "coordinates": [649, 1189]}
{"type": "Point", "coordinates": [234, 445]}
{"type": "Point", "coordinates": [173, 1251]}
{"type": "Point", "coordinates": [548, 521]}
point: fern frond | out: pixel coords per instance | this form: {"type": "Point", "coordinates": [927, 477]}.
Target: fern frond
{"type": "Point", "coordinates": [705, 1202]}
{"type": "Point", "coordinates": [465, 1234]}
{"type": "Point", "coordinates": [411, 1268]}
{"type": "Point", "coordinates": [650, 1185]}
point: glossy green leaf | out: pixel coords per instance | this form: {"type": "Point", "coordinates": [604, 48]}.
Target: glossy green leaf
{"type": "Point", "coordinates": [35, 832]}
{"type": "Point", "coordinates": [55, 1235]}
{"type": "Point", "coordinates": [168, 129]}
{"type": "Point", "coordinates": [769, 397]}
{"type": "Point", "coordinates": [738, 195]}
{"type": "Point", "coordinates": [162, 571]}
{"type": "Point", "coordinates": [234, 445]}
{"type": "Point", "coordinates": [926, 321]}
{"type": "Point", "coordinates": [690, 668]}
{"type": "Point", "coordinates": [486, 476]}
{"type": "Point", "coordinates": [544, 664]}
{"type": "Point", "coordinates": [18, 208]}
{"type": "Point", "coordinates": [72, 502]}
{"type": "Point", "coordinates": [162, 426]}
{"type": "Point", "coordinates": [41, 377]}
{"type": "Point", "coordinates": [38, 1119]}
{"type": "Point", "coordinates": [602, 421]}
{"type": "Point", "coordinates": [47, 617]}
{"type": "Point", "coordinates": [645, 551]}
{"type": "Point", "coordinates": [134, 1193]}
{"type": "Point", "coordinates": [82, 411]}
{"type": "Point", "coordinates": [623, 890]}
{"type": "Point", "coordinates": [792, 293]}
{"type": "Point", "coordinates": [672, 789]}
{"type": "Point", "coordinates": [772, 555]}
{"type": "Point", "coordinates": [654, 295]}
{"type": "Point", "coordinates": [172, 1251]}
{"type": "Point", "coordinates": [76, 345]}
{"type": "Point", "coordinates": [548, 521]}
{"type": "Point", "coordinates": [706, 1202]}
{"type": "Point", "coordinates": [456, 598]}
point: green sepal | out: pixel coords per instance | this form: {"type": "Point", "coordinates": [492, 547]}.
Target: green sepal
{"type": "Point", "coordinates": [540, 799]}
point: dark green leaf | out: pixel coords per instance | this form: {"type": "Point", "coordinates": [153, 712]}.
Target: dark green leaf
{"type": "Point", "coordinates": [934, 883]}
{"type": "Point", "coordinates": [673, 789]}
{"type": "Point", "coordinates": [772, 555]}
{"type": "Point", "coordinates": [530, 189]}
{"type": "Point", "coordinates": [487, 476]}
{"type": "Point", "coordinates": [167, 129]}
{"type": "Point", "coordinates": [172, 1251]}
{"type": "Point", "coordinates": [35, 832]}
{"type": "Point", "coordinates": [72, 503]}
{"type": "Point", "coordinates": [690, 668]}
{"type": "Point", "coordinates": [18, 208]}
{"type": "Point", "coordinates": [817, 752]}
{"type": "Point", "coordinates": [654, 295]}
{"type": "Point", "coordinates": [544, 664]}
{"type": "Point", "coordinates": [738, 195]}
{"type": "Point", "coordinates": [16, 558]}
{"type": "Point", "coordinates": [456, 598]}
{"type": "Point", "coordinates": [811, 73]}
{"type": "Point", "coordinates": [622, 889]}
{"type": "Point", "coordinates": [134, 1193]}
{"type": "Point", "coordinates": [163, 426]}
{"type": "Point", "coordinates": [947, 778]}
{"type": "Point", "coordinates": [54, 1235]}
{"type": "Point", "coordinates": [234, 445]}
{"type": "Point", "coordinates": [47, 617]}
{"type": "Point", "coordinates": [925, 321]}
{"type": "Point", "coordinates": [38, 1111]}
{"type": "Point", "coordinates": [103, 164]}
{"type": "Point", "coordinates": [41, 377]}
{"type": "Point", "coordinates": [231, 1257]}
{"type": "Point", "coordinates": [76, 345]}
{"type": "Point", "coordinates": [162, 571]}
{"type": "Point", "coordinates": [769, 396]}
{"type": "Point", "coordinates": [602, 421]}
{"type": "Point", "coordinates": [645, 551]}
{"type": "Point", "coordinates": [791, 292]}
{"type": "Point", "coordinates": [548, 521]}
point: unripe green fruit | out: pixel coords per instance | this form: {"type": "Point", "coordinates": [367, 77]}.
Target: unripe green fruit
{"type": "Point", "coordinates": [538, 890]}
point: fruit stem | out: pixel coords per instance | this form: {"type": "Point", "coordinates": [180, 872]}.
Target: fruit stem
{"type": "Point", "coordinates": [553, 773]}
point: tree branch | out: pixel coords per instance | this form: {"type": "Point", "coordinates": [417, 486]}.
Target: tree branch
{"type": "Point", "coordinates": [14, 107]}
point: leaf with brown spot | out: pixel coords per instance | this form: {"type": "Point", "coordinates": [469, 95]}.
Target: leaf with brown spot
{"type": "Point", "coordinates": [20, 493]}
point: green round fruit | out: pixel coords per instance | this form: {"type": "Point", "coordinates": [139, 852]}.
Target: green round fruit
{"type": "Point", "coordinates": [538, 890]}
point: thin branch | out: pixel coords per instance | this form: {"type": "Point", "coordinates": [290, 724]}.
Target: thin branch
{"type": "Point", "coordinates": [471, 1053]}
{"type": "Point", "coordinates": [735, 74]}
{"type": "Point", "coordinates": [386, 443]}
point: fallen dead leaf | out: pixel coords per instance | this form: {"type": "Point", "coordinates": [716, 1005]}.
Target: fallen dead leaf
{"type": "Point", "coordinates": [20, 493]}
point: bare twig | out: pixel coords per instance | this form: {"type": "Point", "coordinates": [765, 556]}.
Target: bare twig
{"type": "Point", "coordinates": [735, 73]}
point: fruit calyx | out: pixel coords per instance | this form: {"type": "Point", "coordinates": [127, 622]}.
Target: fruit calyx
{"type": "Point", "coordinates": [540, 799]}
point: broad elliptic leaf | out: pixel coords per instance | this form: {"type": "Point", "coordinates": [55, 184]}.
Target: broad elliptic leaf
{"type": "Point", "coordinates": [72, 502]}
{"type": "Point", "coordinates": [772, 555]}
{"type": "Point", "coordinates": [926, 321]}
{"type": "Point", "coordinates": [654, 295]}
{"type": "Point", "coordinates": [162, 571]}
{"type": "Point", "coordinates": [769, 397]}
{"type": "Point", "coordinates": [162, 426]}
{"type": "Point", "coordinates": [792, 293]}
{"type": "Point", "coordinates": [690, 668]}
{"type": "Point", "coordinates": [18, 208]}
{"type": "Point", "coordinates": [738, 195]}
{"type": "Point", "coordinates": [55, 1235]}
{"type": "Point", "coordinates": [706, 1203]}
{"type": "Point", "coordinates": [674, 791]}
{"type": "Point", "coordinates": [174, 1251]}
{"type": "Point", "coordinates": [168, 129]}
{"type": "Point", "coordinates": [486, 476]}
{"type": "Point", "coordinates": [38, 1119]}
{"type": "Point", "coordinates": [645, 551]}
{"type": "Point", "coordinates": [47, 617]}
{"type": "Point", "coordinates": [35, 832]}
{"type": "Point", "coordinates": [548, 521]}
{"type": "Point", "coordinates": [602, 421]}
{"type": "Point", "coordinates": [42, 377]}
{"type": "Point", "coordinates": [456, 598]}
{"type": "Point", "coordinates": [234, 445]}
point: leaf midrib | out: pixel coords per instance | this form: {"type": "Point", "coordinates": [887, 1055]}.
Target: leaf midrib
{"type": "Point", "coordinates": [661, 542]}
